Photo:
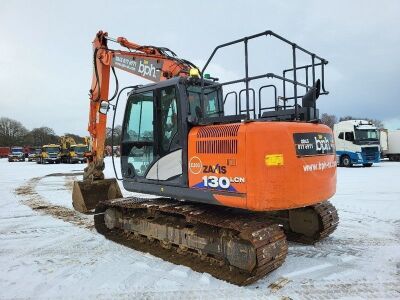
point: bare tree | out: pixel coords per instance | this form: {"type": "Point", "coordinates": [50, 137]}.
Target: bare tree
{"type": "Point", "coordinates": [328, 120]}
{"type": "Point", "coordinates": [117, 135]}
{"type": "Point", "coordinates": [346, 118]}
{"type": "Point", "coordinates": [12, 132]}
{"type": "Point", "coordinates": [43, 135]}
{"type": "Point", "coordinates": [376, 122]}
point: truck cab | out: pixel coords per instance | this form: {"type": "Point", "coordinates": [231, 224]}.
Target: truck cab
{"type": "Point", "coordinates": [17, 154]}
{"type": "Point", "coordinates": [35, 154]}
{"type": "Point", "coordinates": [50, 154]}
{"type": "Point", "coordinates": [77, 153]}
{"type": "Point", "coordinates": [357, 142]}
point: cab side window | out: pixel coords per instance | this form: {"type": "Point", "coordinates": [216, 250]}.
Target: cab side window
{"type": "Point", "coordinates": [349, 136]}
{"type": "Point", "coordinates": [138, 141]}
{"type": "Point", "coordinates": [340, 136]}
{"type": "Point", "coordinates": [169, 119]}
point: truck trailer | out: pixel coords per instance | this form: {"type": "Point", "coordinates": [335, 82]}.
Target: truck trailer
{"type": "Point", "coordinates": [357, 142]}
{"type": "Point", "coordinates": [390, 144]}
{"type": "Point", "coordinates": [4, 152]}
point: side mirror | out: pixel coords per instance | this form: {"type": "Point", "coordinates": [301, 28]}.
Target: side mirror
{"type": "Point", "coordinates": [104, 107]}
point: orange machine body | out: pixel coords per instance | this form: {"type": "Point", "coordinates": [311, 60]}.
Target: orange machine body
{"type": "Point", "coordinates": [263, 166]}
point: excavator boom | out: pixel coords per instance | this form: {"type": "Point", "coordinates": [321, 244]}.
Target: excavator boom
{"type": "Point", "coordinates": [149, 62]}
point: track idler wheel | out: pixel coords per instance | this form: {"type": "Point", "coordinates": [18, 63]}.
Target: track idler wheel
{"type": "Point", "coordinates": [312, 223]}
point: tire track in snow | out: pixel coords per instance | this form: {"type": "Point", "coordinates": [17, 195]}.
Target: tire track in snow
{"type": "Point", "coordinates": [35, 201]}
{"type": "Point", "coordinates": [331, 251]}
{"type": "Point", "coordinates": [336, 289]}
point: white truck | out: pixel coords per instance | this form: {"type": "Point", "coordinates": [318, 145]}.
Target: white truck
{"type": "Point", "coordinates": [390, 144]}
{"type": "Point", "coordinates": [357, 142]}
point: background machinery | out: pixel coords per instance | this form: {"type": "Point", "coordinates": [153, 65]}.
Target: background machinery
{"type": "Point", "coordinates": [72, 152]}
{"type": "Point", "coordinates": [231, 188]}
{"type": "Point", "coordinates": [35, 154]}
{"type": "Point", "coordinates": [49, 154]}
{"type": "Point", "coordinates": [16, 154]}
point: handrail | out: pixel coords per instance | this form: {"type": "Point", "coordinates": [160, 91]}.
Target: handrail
{"type": "Point", "coordinates": [247, 78]}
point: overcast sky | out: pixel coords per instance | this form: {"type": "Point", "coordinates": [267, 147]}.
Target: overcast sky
{"type": "Point", "coordinates": [46, 60]}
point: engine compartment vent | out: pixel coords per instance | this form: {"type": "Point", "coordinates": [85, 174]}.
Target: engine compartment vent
{"type": "Point", "coordinates": [217, 146]}
{"type": "Point", "coordinates": [218, 131]}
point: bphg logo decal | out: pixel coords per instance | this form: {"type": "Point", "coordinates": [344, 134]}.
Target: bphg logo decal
{"type": "Point", "coordinates": [313, 143]}
{"type": "Point", "coordinates": [147, 68]}
{"type": "Point", "coordinates": [322, 144]}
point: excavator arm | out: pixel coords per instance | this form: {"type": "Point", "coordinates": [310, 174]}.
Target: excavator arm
{"type": "Point", "coordinates": [149, 62]}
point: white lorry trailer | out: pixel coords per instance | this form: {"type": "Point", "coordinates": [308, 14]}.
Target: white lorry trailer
{"type": "Point", "coordinates": [390, 144]}
{"type": "Point", "coordinates": [357, 142]}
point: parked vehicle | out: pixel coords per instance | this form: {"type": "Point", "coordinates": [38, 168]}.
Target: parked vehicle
{"type": "Point", "coordinates": [4, 152]}
{"type": "Point", "coordinates": [72, 152]}
{"type": "Point", "coordinates": [17, 154]}
{"type": "Point", "coordinates": [50, 154]}
{"type": "Point", "coordinates": [28, 150]}
{"type": "Point", "coordinates": [357, 142]}
{"type": "Point", "coordinates": [77, 153]}
{"type": "Point", "coordinates": [34, 156]}
{"type": "Point", "coordinates": [390, 144]}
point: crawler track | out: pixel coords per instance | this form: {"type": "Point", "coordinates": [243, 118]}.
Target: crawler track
{"type": "Point", "coordinates": [307, 225]}
{"type": "Point", "coordinates": [234, 245]}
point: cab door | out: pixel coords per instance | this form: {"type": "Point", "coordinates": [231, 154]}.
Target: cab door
{"type": "Point", "coordinates": [138, 151]}
{"type": "Point", "coordinates": [168, 167]}
{"type": "Point", "coordinates": [150, 146]}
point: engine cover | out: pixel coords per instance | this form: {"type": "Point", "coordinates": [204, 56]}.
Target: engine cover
{"type": "Point", "coordinates": [263, 165]}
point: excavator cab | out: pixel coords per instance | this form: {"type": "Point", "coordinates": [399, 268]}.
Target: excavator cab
{"type": "Point", "coordinates": [157, 120]}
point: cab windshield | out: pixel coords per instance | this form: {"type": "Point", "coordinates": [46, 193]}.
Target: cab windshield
{"type": "Point", "coordinates": [213, 106]}
{"type": "Point", "coordinates": [366, 134]}
{"type": "Point", "coordinates": [80, 149]}
{"type": "Point", "coordinates": [16, 150]}
{"type": "Point", "coordinates": [52, 149]}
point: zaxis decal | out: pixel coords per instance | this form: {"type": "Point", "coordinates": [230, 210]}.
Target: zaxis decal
{"type": "Point", "coordinates": [214, 169]}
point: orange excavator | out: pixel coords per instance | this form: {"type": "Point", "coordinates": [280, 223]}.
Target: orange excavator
{"type": "Point", "coordinates": [230, 189]}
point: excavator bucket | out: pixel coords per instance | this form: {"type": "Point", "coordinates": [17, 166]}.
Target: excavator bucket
{"type": "Point", "coordinates": [87, 193]}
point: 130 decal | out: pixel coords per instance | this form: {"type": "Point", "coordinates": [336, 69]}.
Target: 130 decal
{"type": "Point", "coordinates": [215, 182]}
{"type": "Point", "coordinates": [222, 182]}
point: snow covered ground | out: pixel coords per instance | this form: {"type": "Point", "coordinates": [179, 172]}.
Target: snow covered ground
{"type": "Point", "coordinates": [47, 251]}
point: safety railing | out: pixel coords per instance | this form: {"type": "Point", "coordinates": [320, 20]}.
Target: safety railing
{"type": "Point", "coordinates": [250, 107]}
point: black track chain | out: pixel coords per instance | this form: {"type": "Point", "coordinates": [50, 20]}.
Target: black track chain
{"type": "Point", "coordinates": [267, 238]}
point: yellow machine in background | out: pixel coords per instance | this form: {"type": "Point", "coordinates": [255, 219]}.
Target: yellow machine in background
{"type": "Point", "coordinates": [50, 153]}
{"type": "Point", "coordinates": [72, 152]}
